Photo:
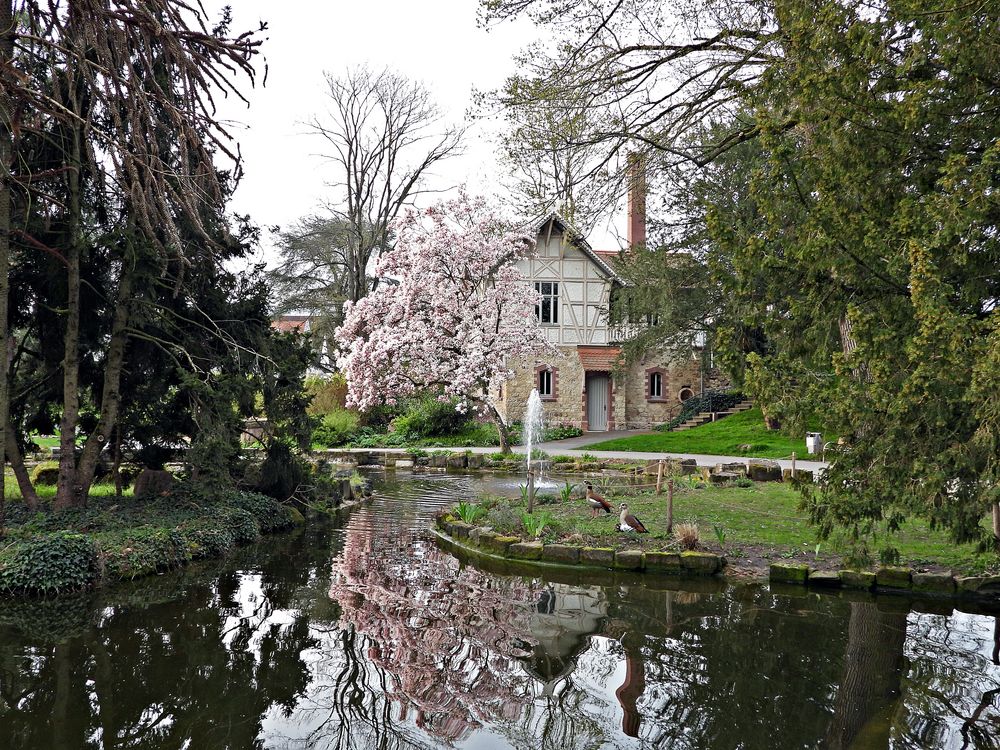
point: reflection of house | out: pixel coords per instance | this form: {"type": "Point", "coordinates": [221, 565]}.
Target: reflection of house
{"type": "Point", "coordinates": [588, 386]}
{"type": "Point", "coordinates": [564, 620]}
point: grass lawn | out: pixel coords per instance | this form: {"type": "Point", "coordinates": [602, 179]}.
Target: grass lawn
{"type": "Point", "coordinates": [742, 434]}
{"type": "Point", "coordinates": [760, 524]}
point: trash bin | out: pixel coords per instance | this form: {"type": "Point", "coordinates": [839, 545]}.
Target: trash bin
{"type": "Point", "coordinates": [814, 442]}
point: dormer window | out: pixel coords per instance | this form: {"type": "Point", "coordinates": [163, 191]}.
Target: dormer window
{"type": "Point", "coordinates": [547, 308]}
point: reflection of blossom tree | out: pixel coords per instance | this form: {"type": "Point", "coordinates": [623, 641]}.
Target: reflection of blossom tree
{"type": "Point", "coordinates": [448, 640]}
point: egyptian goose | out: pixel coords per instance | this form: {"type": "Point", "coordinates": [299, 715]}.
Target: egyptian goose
{"type": "Point", "coordinates": [628, 522]}
{"type": "Point", "coordinates": [596, 502]}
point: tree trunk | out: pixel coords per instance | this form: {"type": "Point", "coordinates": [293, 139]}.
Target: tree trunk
{"type": "Point", "coordinates": [996, 523]}
{"type": "Point", "coordinates": [501, 430]}
{"type": "Point", "coordinates": [6, 149]}
{"type": "Point", "coordinates": [67, 494]}
{"type": "Point", "coordinates": [110, 395]}
{"type": "Point", "coordinates": [873, 668]}
{"type": "Point", "coordinates": [28, 492]}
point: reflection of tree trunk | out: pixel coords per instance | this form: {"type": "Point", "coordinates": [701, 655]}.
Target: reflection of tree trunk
{"type": "Point", "coordinates": [6, 147]}
{"type": "Point", "coordinates": [873, 667]}
{"type": "Point", "coordinates": [632, 687]}
{"type": "Point", "coordinates": [61, 700]}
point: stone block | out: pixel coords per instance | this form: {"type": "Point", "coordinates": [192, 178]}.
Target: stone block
{"type": "Point", "coordinates": [734, 467]}
{"type": "Point", "coordinates": [935, 583]}
{"type": "Point", "coordinates": [474, 461]}
{"type": "Point", "coordinates": [801, 475]}
{"type": "Point", "coordinates": [663, 562]}
{"type": "Point", "coordinates": [829, 578]}
{"type": "Point", "coordinates": [404, 463]}
{"type": "Point", "coordinates": [602, 556]}
{"type": "Point", "coordinates": [980, 585]}
{"type": "Point", "coordinates": [485, 538]}
{"type": "Point", "coordinates": [764, 471]}
{"type": "Point", "coordinates": [629, 559]}
{"type": "Point", "coordinates": [893, 578]}
{"type": "Point", "coordinates": [460, 529]}
{"type": "Point", "coordinates": [457, 461]}
{"type": "Point", "coordinates": [780, 573]}
{"type": "Point", "coordinates": [857, 579]}
{"type": "Point", "coordinates": [500, 544]}
{"type": "Point", "coordinates": [525, 550]}
{"type": "Point", "coordinates": [701, 563]}
{"type": "Point", "coordinates": [561, 553]}
{"type": "Point", "coordinates": [438, 460]}
{"type": "Point", "coordinates": [724, 477]}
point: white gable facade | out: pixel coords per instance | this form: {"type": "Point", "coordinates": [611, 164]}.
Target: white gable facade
{"type": "Point", "coordinates": [588, 385]}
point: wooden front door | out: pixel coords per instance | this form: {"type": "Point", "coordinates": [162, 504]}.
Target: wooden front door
{"type": "Point", "coordinates": [597, 401]}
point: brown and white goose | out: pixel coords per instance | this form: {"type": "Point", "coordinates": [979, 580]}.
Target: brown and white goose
{"type": "Point", "coordinates": [629, 523]}
{"type": "Point", "coordinates": [596, 502]}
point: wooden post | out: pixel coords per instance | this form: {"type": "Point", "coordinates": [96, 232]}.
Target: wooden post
{"type": "Point", "coordinates": [659, 478]}
{"type": "Point", "coordinates": [670, 506]}
{"type": "Point", "coordinates": [793, 464]}
{"type": "Point", "coordinates": [531, 492]}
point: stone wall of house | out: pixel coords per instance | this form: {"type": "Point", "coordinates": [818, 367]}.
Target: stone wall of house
{"type": "Point", "coordinates": [566, 407]}
{"type": "Point", "coordinates": [643, 413]}
{"type": "Point", "coordinates": [629, 408]}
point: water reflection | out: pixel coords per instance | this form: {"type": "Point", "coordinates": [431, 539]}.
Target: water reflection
{"type": "Point", "coordinates": [370, 636]}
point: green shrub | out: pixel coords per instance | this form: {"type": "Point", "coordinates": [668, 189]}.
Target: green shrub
{"type": "Point", "coordinates": [336, 428]}
{"type": "Point", "coordinates": [45, 474]}
{"type": "Point", "coordinates": [143, 551]}
{"type": "Point", "coordinates": [428, 417]}
{"type": "Point", "coordinates": [241, 524]}
{"type": "Point", "coordinates": [744, 482]}
{"type": "Point", "coordinates": [269, 514]}
{"type": "Point", "coordinates": [52, 564]}
{"type": "Point", "coordinates": [327, 394]}
{"type": "Point", "coordinates": [561, 432]}
{"type": "Point", "coordinates": [563, 459]}
{"type": "Point", "coordinates": [536, 523]}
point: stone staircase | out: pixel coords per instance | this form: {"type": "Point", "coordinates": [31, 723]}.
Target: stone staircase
{"type": "Point", "coordinates": [712, 416]}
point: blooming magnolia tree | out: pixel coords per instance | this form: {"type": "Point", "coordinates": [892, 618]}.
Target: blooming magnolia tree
{"type": "Point", "coordinates": [450, 315]}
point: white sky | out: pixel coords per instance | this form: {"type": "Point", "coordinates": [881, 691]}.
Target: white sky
{"type": "Point", "coordinates": [436, 42]}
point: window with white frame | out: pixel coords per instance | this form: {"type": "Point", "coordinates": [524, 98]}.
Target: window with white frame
{"type": "Point", "coordinates": [545, 383]}
{"type": "Point", "coordinates": [547, 309]}
{"type": "Point", "coordinates": [655, 385]}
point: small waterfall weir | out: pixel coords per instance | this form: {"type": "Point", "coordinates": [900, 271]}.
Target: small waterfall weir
{"type": "Point", "coordinates": [534, 425]}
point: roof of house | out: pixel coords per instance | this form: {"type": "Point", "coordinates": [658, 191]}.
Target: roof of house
{"type": "Point", "coordinates": [601, 358]}
{"type": "Point", "coordinates": [290, 323]}
{"type": "Point", "coordinates": [576, 237]}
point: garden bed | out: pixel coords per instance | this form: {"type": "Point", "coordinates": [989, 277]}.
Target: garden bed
{"type": "Point", "coordinates": [123, 538]}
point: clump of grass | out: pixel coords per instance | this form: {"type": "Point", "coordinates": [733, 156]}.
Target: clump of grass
{"type": "Point", "coordinates": [687, 535]}
{"type": "Point", "coordinates": [566, 492]}
{"type": "Point", "coordinates": [470, 512]}
{"type": "Point", "coordinates": [535, 523]}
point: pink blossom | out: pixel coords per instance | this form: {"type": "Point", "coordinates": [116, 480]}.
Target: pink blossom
{"type": "Point", "coordinates": [451, 310]}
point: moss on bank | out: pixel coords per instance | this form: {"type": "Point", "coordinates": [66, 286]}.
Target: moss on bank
{"type": "Point", "coordinates": [120, 539]}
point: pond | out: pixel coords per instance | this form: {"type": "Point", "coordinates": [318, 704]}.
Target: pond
{"type": "Point", "coordinates": [364, 634]}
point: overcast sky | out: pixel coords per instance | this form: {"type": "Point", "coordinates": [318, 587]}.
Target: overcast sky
{"type": "Point", "coordinates": [438, 43]}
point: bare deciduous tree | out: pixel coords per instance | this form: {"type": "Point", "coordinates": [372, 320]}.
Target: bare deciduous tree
{"type": "Point", "coordinates": [385, 133]}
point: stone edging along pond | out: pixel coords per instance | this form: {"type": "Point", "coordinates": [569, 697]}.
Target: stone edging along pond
{"type": "Point", "coordinates": [483, 540]}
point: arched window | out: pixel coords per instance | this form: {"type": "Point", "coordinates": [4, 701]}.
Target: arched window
{"type": "Point", "coordinates": [547, 382]}
{"type": "Point", "coordinates": [656, 384]}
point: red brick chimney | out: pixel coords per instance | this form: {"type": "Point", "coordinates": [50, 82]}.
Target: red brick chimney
{"type": "Point", "coordinates": [636, 200]}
